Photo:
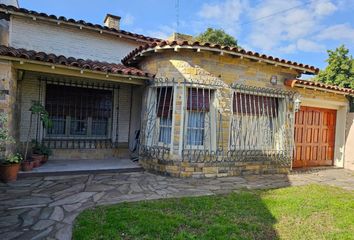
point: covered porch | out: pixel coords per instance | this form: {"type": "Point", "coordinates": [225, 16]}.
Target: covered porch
{"type": "Point", "coordinates": [94, 108]}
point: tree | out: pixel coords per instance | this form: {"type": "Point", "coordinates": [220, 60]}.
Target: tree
{"type": "Point", "coordinates": [340, 69]}
{"type": "Point", "coordinates": [217, 36]}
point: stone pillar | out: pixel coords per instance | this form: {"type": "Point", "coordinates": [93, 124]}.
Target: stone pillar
{"type": "Point", "coordinates": [8, 99]}
{"type": "Point", "coordinates": [349, 143]}
{"type": "Point", "coordinates": [178, 121]}
{"type": "Point", "coordinates": [224, 106]}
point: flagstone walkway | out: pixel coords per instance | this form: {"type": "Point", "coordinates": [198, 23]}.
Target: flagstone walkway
{"type": "Point", "coordinates": [46, 207]}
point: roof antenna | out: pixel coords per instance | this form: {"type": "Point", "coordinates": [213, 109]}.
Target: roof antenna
{"type": "Point", "coordinates": [177, 15]}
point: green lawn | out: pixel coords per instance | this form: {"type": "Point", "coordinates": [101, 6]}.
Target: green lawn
{"type": "Point", "coordinates": [307, 212]}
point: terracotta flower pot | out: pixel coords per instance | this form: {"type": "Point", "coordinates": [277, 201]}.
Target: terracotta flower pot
{"type": "Point", "coordinates": [27, 166]}
{"type": "Point", "coordinates": [37, 159]}
{"type": "Point", "coordinates": [36, 163]}
{"type": "Point", "coordinates": [9, 172]}
{"type": "Point", "coordinates": [45, 159]}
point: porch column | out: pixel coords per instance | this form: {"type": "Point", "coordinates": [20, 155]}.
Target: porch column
{"type": "Point", "coordinates": [8, 100]}
{"type": "Point", "coordinates": [223, 126]}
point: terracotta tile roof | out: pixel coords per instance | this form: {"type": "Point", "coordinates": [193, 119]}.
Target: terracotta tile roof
{"type": "Point", "coordinates": [22, 11]}
{"type": "Point", "coordinates": [113, 68]}
{"type": "Point", "coordinates": [163, 44]}
{"type": "Point", "coordinates": [306, 83]}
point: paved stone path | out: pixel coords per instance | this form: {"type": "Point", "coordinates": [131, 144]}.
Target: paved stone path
{"type": "Point", "coordinates": [45, 207]}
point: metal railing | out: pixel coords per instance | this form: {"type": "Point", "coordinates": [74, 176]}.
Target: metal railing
{"type": "Point", "coordinates": [84, 113]}
{"type": "Point", "coordinates": [216, 122]}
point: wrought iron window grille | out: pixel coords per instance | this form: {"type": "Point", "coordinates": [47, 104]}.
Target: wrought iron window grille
{"type": "Point", "coordinates": [83, 113]}
{"type": "Point", "coordinates": [265, 109]}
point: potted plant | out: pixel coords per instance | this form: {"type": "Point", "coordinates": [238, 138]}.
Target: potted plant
{"type": "Point", "coordinates": [37, 109]}
{"type": "Point", "coordinates": [27, 165]}
{"type": "Point", "coordinates": [37, 155]}
{"type": "Point", "coordinates": [46, 151]}
{"type": "Point", "coordinates": [10, 167]}
{"type": "Point", "coordinates": [9, 163]}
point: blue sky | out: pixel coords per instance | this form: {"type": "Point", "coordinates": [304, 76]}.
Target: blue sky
{"type": "Point", "coordinates": [297, 30]}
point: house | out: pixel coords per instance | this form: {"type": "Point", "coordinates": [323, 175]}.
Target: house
{"type": "Point", "coordinates": [195, 109]}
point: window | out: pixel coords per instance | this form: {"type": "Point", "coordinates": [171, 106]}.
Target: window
{"type": "Point", "coordinates": [253, 121]}
{"type": "Point", "coordinates": [165, 130]}
{"type": "Point", "coordinates": [198, 104]}
{"type": "Point", "coordinates": [164, 99]}
{"type": "Point", "coordinates": [79, 112]}
{"type": "Point", "coordinates": [249, 104]}
{"type": "Point", "coordinates": [195, 132]}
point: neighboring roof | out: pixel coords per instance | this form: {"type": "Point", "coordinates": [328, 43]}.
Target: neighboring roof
{"type": "Point", "coordinates": [133, 56]}
{"type": "Point", "coordinates": [105, 67]}
{"type": "Point", "coordinates": [7, 9]}
{"type": "Point", "coordinates": [311, 84]}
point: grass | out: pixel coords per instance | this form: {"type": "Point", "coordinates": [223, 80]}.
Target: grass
{"type": "Point", "coordinates": [306, 212]}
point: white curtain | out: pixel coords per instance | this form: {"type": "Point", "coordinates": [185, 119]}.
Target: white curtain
{"type": "Point", "coordinates": [165, 130]}
{"type": "Point", "coordinates": [195, 129]}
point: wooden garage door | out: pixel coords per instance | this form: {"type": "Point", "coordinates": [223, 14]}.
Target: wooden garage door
{"type": "Point", "coordinates": [314, 137]}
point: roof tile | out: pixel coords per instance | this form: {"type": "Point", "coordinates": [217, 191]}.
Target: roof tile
{"type": "Point", "coordinates": [135, 52]}
{"type": "Point", "coordinates": [292, 82]}
{"type": "Point", "coordinates": [71, 61]}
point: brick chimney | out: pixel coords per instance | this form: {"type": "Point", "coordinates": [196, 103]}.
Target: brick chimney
{"type": "Point", "coordinates": [112, 21]}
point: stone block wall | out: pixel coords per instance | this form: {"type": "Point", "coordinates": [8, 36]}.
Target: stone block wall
{"type": "Point", "coordinates": [207, 170]}
{"type": "Point", "coordinates": [210, 69]}
{"type": "Point", "coordinates": [8, 100]}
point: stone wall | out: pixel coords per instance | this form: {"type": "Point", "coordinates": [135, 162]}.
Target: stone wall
{"type": "Point", "coordinates": [8, 101]}
{"type": "Point", "coordinates": [221, 169]}
{"type": "Point", "coordinates": [349, 147]}
{"type": "Point", "coordinates": [319, 95]}
{"type": "Point", "coordinates": [212, 69]}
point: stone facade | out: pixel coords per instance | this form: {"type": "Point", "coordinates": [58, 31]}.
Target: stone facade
{"type": "Point", "coordinates": [8, 98]}
{"type": "Point", "coordinates": [321, 96]}
{"type": "Point", "coordinates": [211, 69]}
{"type": "Point", "coordinates": [177, 168]}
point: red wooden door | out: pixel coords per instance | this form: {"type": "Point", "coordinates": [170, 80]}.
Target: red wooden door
{"type": "Point", "coordinates": [314, 137]}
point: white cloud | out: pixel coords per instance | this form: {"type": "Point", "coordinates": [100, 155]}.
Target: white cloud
{"type": "Point", "coordinates": [225, 15]}
{"type": "Point", "coordinates": [324, 7]}
{"type": "Point", "coordinates": [303, 45]}
{"type": "Point", "coordinates": [287, 31]}
{"type": "Point", "coordinates": [309, 46]}
{"type": "Point", "coordinates": [162, 32]}
{"type": "Point", "coordinates": [339, 32]}
{"type": "Point", "coordinates": [128, 19]}
{"type": "Point", "coordinates": [291, 48]}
